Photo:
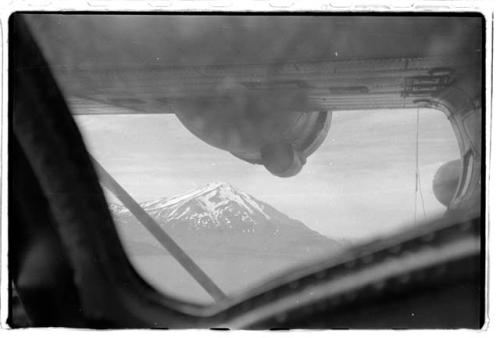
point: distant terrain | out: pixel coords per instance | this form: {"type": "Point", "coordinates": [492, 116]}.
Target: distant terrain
{"type": "Point", "coordinates": [235, 237]}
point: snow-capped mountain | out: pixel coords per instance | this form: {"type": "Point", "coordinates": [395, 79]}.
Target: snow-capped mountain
{"type": "Point", "coordinates": [219, 218]}
{"type": "Point", "coordinates": [212, 206]}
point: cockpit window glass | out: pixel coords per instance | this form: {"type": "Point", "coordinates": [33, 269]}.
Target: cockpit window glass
{"type": "Point", "coordinates": [243, 225]}
{"type": "Point", "coordinates": [261, 144]}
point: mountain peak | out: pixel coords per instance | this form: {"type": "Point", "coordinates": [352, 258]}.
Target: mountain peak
{"type": "Point", "coordinates": [217, 185]}
{"type": "Point", "coordinates": [217, 215]}
{"type": "Point", "coordinates": [209, 205]}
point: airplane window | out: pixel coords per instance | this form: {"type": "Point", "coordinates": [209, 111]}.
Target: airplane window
{"type": "Point", "coordinates": [241, 224]}
{"type": "Point", "coordinates": [253, 160]}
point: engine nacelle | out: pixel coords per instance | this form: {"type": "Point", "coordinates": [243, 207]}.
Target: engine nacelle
{"type": "Point", "coordinates": [445, 182]}
{"type": "Point", "coordinates": [277, 129]}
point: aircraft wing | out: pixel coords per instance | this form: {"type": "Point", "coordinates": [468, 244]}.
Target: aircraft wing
{"type": "Point", "coordinates": [334, 61]}
{"type": "Point", "coordinates": [330, 85]}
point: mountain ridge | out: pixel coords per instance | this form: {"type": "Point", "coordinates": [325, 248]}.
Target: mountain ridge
{"type": "Point", "coordinates": [217, 217]}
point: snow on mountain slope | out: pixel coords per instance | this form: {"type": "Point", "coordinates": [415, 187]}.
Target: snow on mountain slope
{"type": "Point", "coordinates": [214, 205]}
{"type": "Point", "coordinates": [218, 217]}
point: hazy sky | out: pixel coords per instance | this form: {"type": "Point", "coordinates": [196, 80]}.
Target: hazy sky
{"type": "Point", "coordinates": [360, 183]}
